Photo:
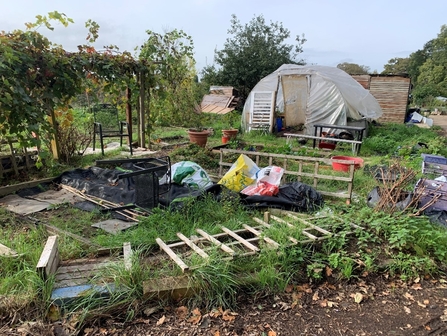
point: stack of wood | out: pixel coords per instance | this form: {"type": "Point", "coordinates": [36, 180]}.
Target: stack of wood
{"type": "Point", "coordinates": [220, 100]}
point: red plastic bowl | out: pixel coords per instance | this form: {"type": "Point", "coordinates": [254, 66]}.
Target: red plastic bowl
{"type": "Point", "coordinates": [345, 166]}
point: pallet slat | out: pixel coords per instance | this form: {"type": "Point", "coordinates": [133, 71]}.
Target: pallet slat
{"type": "Point", "coordinates": [259, 234]}
{"type": "Point", "coordinates": [172, 254]}
{"type": "Point", "coordinates": [193, 246]}
{"type": "Point", "coordinates": [240, 239]}
{"type": "Point", "coordinates": [224, 247]}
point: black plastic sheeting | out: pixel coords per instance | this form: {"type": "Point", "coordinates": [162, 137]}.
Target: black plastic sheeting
{"type": "Point", "coordinates": [294, 196]}
{"type": "Point", "coordinates": [105, 184]}
{"type": "Point", "coordinates": [102, 183]}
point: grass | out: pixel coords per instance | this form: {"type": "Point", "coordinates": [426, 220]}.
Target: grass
{"type": "Point", "coordinates": [397, 244]}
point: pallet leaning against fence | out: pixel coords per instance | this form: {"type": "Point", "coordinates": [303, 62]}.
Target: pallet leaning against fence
{"type": "Point", "coordinates": [315, 175]}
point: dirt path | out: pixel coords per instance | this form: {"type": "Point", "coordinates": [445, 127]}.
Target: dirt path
{"type": "Point", "coordinates": [441, 121]}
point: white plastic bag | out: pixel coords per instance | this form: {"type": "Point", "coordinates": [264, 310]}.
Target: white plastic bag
{"type": "Point", "coordinates": [267, 183]}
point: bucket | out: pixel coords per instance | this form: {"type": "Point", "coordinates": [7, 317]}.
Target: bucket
{"type": "Point", "coordinates": [278, 124]}
{"type": "Point", "coordinates": [345, 166]}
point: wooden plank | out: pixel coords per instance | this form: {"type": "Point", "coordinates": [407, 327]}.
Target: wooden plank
{"type": "Point", "coordinates": [240, 239]}
{"type": "Point", "coordinates": [280, 220]}
{"type": "Point", "coordinates": [259, 234]}
{"type": "Point", "coordinates": [315, 227]}
{"type": "Point", "coordinates": [5, 251]}
{"type": "Point", "coordinates": [127, 253]}
{"type": "Point", "coordinates": [304, 136]}
{"type": "Point", "coordinates": [79, 272]}
{"type": "Point", "coordinates": [49, 259]}
{"type": "Point", "coordinates": [260, 221]}
{"type": "Point", "coordinates": [224, 247]}
{"type": "Point", "coordinates": [55, 230]}
{"type": "Point", "coordinates": [311, 236]}
{"type": "Point", "coordinates": [172, 254]}
{"type": "Point", "coordinates": [195, 248]}
{"type": "Point", "coordinates": [19, 186]}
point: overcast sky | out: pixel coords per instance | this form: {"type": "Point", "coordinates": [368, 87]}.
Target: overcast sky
{"type": "Point", "coordinates": [357, 31]}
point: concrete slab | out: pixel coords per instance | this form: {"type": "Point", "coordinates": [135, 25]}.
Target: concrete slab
{"type": "Point", "coordinates": [7, 252]}
{"type": "Point", "coordinates": [22, 206]}
{"type": "Point", "coordinates": [114, 145]}
{"type": "Point", "coordinates": [57, 197]}
{"type": "Point", "coordinates": [114, 226]}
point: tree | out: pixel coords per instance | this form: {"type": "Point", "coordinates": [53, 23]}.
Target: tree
{"type": "Point", "coordinates": [172, 92]}
{"type": "Point", "coordinates": [353, 68]}
{"type": "Point", "coordinates": [397, 65]}
{"type": "Point", "coordinates": [427, 69]}
{"type": "Point", "coordinates": [418, 58]}
{"type": "Point", "coordinates": [253, 51]}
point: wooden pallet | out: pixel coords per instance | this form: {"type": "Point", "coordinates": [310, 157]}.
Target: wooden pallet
{"type": "Point", "coordinates": [317, 175]}
{"type": "Point", "coordinates": [73, 276]}
{"type": "Point", "coordinates": [244, 242]}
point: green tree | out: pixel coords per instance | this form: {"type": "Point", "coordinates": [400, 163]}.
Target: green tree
{"type": "Point", "coordinates": [397, 65]}
{"type": "Point", "coordinates": [418, 58]}
{"type": "Point", "coordinates": [173, 96]}
{"type": "Point", "coordinates": [354, 69]}
{"type": "Point", "coordinates": [427, 69]}
{"type": "Point", "coordinates": [253, 51]}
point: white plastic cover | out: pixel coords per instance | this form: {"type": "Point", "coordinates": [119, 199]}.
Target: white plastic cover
{"type": "Point", "coordinates": [333, 95]}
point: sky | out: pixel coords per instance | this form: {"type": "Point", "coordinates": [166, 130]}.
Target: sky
{"type": "Point", "coordinates": [368, 33]}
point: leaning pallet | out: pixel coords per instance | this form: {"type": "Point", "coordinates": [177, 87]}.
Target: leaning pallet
{"type": "Point", "coordinates": [246, 241]}
{"type": "Point", "coordinates": [315, 167]}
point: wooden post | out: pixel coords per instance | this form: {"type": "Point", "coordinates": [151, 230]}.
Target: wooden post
{"type": "Point", "coordinates": [129, 111]}
{"type": "Point", "coordinates": [141, 126]}
{"type": "Point", "coordinates": [55, 149]}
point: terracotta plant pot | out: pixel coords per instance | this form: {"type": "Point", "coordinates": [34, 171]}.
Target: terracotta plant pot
{"type": "Point", "coordinates": [230, 133]}
{"type": "Point", "coordinates": [198, 137]}
{"type": "Point", "coordinates": [225, 139]}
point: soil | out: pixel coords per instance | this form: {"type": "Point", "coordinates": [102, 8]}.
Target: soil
{"type": "Point", "coordinates": [366, 306]}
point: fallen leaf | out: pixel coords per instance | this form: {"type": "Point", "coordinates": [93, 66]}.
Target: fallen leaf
{"type": "Point", "coordinates": [323, 303]}
{"type": "Point", "coordinates": [196, 316]}
{"type": "Point", "coordinates": [217, 333]}
{"type": "Point", "coordinates": [407, 310]}
{"type": "Point", "coordinates": [331, 304]}
{"type": "Point", "coordinates": [420, 304]}
{"type": "Point", "coordinates": [416, 286]}
{"type": "Point", "coordinates": [161, 320]}
{"type": "Point", "coordinates": [271, 333]}
{"type": "Point", "coordinates": [229, 316]}
{"type": "Point", "coordinates": [409, 296]}
{"type": "Point", "coordinates": [417, 280]}
{"type": "Point", "coordinates": [304, 288]}
{"type": "Point", "coordinates": [427, 327]}
{"type": "Point", "coordinates": [328, 271]}
{"type": "Point", "coordinates": [358, 297]}
{"type": "Point", "coordinates": [216, 312]}
{"type": "Point", "coordinates": [315, 297]}
{"type": "Point", "coordinates": [289, 288]}
{"type": "Point", "coordinates": [181, 312]}
{"type": "Point", "coordinates": [149, 311]}
{"type": "Point", "coordinates": [426, 302]}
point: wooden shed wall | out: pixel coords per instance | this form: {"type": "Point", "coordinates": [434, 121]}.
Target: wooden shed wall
{"type": "Point", "coordinates": [364, 80]}
{"type": "Point", "coordinates": [392, 94]}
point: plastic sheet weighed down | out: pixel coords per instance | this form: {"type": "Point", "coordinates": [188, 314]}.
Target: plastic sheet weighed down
{"type": "Point", "coordinates": [187, 180]}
